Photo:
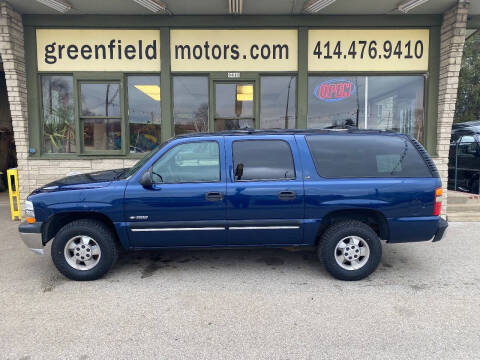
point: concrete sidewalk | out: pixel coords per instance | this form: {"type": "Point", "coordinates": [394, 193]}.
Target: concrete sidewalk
{"type": "Point", "coordinates": [421, 303]}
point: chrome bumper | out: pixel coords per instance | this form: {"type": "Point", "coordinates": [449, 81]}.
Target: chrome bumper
{"type": "Point", "coordinates": [32, 236]}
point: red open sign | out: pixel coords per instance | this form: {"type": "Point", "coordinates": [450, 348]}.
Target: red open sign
{"type": "Point", "coordinates": [334, 90]}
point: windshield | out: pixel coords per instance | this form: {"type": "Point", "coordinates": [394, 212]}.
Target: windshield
{"type": "Point", "coordinates": [141, 162]}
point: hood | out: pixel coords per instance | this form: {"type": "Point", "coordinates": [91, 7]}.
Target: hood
{"type": "Point", "coordinates": [82, 181]}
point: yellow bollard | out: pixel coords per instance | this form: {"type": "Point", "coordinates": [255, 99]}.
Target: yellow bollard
{"type": "Point", "coordinates": [12, 176]}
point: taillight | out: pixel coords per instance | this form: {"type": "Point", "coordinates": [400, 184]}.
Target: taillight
{"type": "Point", "coordinates": [437, 208]}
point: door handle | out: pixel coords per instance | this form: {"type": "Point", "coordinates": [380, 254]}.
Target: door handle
{"type": "Point", "coordinates": [287, 195]}
{"type": "Point", "coordinates": [214, 196]}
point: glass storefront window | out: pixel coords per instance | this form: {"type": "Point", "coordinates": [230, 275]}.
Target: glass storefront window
{"type": "Point", "coordinates": [100, 116]}
{"type": "Point", "coordinates": [277, 103]}
{"type": "Point", "coordinates": [234, 100]}
{"type": "Point", "coordinates": [367, 102]}
{"type": "Point", "coordinates": [105, 115]}
{"type": "Point", "coordinates": [101, 134]}
{"type": "Point", "coordinates": [100, 99]}
{"type": "Point", "coordinates": [190, 104]}
{"type": "Point", "coordinates": [58, 114]}
{"type": "Point", "coordinates": [335, 102]}
{"type": "Point", "coordinates": [144, 112]}
{"type": "Point", "coordinates": [234, 106]}
{"type": "Point", "coordinates": [396, 103]}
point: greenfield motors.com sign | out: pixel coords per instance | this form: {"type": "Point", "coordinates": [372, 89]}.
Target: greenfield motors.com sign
{"type": "Point", "coordinates": [207, 50]}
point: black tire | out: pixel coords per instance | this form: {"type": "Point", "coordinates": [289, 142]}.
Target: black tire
{"type": "Point", "coordinates": [334, 234]}
{"type": "Point", "coordinates": [475, 186]}
{"type": "Point", "coordinates": [98, 231]}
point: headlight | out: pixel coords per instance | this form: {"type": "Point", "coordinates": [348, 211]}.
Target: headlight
{"type": "Point", "coordinates": [29, 211]}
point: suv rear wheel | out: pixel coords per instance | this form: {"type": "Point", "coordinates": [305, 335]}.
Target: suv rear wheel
{"type": "Point", "coordinates": [84, 250]}
{"type": "Point", "coordinates": [350, 250]}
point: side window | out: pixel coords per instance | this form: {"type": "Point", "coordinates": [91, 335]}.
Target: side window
{"type": "Point", "coordinates": [468, 146]}
{"type": "Point", "coordinates": [189, 162]}
{"type": "Point", "coordinates": [366, 156]}
{"type": "Point", "coordinates": [262, 160]}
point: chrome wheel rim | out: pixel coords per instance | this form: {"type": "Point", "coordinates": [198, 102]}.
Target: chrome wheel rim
{"type": "Point", "coordinates": [82, 252]}
{"type": "Point", "coordinates": [352, 253]}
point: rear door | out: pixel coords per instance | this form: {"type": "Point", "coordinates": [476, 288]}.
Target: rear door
{"type": "Point", "coordinates": [265, 197]}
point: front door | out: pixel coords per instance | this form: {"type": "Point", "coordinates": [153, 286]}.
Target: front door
{"type": "Point", "coordinates": [265, 197]}
{"type": "Point", "coordinates": [234, 105]}
{"type": "Point", "coordinates": [186, 204]}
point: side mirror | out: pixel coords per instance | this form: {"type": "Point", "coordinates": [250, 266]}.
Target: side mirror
{"type": "Point", "coordinates": [146, 179]}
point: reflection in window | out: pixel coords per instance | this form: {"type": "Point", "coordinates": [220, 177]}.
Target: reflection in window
{"type": "Point", "coordinates": [234, 124]}
{"type": "Point", "coordinates": [58, 114]}
{"type": "Point", "coordinates": [190, 104]}
{"type": "Point", "coordinates": [277, 102]}
{"type": "Point", "coordinates": [395, 103]}
{"type": "Point", "coordinates": [102, 134]}
{"type": "Point", "coordinates": [335, 102]}
{"type": "Point", "coordinates": [144, 112]}
{"type": "Point", "coordinates": [234, 106]}
{"type": "Point", "coordinates": [189, 162]}
{"type": "Point", "coordinates": [234, 100]}
{"type": "Point", "coordinates": [100, 99]}
{"type": "Point", "coordinates": [100, 116]}
{"type": "Point", "coordinates": [373, 102]}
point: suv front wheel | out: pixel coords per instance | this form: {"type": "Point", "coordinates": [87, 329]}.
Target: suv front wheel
{"type": "Point", "coordinates": [350, 250]}
{"type": "Point", "coordinates": [84, 250]}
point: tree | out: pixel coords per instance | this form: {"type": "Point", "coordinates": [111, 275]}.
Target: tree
{"type": "Point", "coordinates": [468, 98]}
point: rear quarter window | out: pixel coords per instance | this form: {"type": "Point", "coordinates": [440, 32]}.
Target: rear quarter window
{"type": "Point", "coordinates": [366, 156]}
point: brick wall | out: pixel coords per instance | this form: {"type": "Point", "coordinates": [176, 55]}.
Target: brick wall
{"type": "Point", "coordinates": [33, 173]}
{"type": "Point", "coordinates": [452, 39]}
{"type": "Point", "coordinates": [13, 58]}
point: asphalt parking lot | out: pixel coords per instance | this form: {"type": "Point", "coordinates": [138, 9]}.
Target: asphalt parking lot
{"type": "Point", "coordinates": [423, 302]}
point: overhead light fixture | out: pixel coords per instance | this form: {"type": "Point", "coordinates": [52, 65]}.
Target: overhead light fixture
{"type": "Point", "coordinates": [235, 7]}
{"type": "Point", "coordinates": [152, 91]}
{"type": "Point", "coordinates": [60, 5]}
{"type": "Point", "coordinates": [314, 6]}
{"type": "Point", "coordinates": [408, 5]}
{"type": "Point", "coordinates": [154, 5]}
{"type": "Point", "coordinates": [244, 92]}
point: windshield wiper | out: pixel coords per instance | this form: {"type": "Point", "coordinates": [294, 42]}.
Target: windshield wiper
{"type": "Point", "coordinates": [121, 172]}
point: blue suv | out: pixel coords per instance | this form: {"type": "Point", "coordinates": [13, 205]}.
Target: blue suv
{"type": "Point", "coordinates": [338, 191]}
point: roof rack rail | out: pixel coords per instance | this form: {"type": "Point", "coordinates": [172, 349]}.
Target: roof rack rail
{"type": "Point", "coordinates": [251, 131]}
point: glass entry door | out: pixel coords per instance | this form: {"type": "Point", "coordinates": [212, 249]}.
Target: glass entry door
{"type": "Point", "coordinates": [234, 105]}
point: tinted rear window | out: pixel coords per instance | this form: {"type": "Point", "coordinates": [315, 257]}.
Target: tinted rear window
{"type": "Point", "coordinates": [361, 156]}
{"type": "Point", "coordinates": [262, 160]}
